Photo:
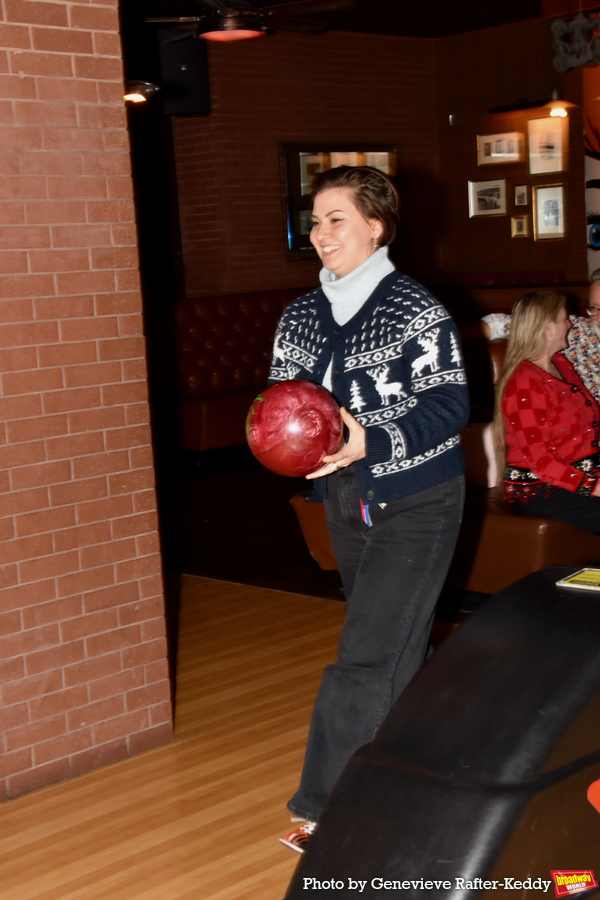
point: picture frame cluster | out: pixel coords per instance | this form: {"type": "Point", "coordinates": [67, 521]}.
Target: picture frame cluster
{"type": "Point", "coordinates": [547, 153]}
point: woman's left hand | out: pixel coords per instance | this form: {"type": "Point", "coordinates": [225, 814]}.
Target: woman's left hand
{"type": "Point", "coordinates": [354, 449]}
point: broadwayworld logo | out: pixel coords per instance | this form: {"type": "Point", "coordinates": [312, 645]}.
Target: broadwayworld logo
{"type": "Point", "coordinates": [571, 881]}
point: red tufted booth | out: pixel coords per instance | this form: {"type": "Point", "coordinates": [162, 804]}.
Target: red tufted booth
{"type": "Point", "coordinates": [224, 353]}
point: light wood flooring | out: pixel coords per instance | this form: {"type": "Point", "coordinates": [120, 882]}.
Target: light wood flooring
{"type": "Point", "coordinates": [197, 819]}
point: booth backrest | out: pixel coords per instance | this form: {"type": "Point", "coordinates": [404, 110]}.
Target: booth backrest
{"type": "Point", "coordinates": [224, 348]}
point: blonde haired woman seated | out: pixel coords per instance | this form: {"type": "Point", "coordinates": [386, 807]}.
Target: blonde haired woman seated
{"type": "Point", "coordinates": [546, 421]}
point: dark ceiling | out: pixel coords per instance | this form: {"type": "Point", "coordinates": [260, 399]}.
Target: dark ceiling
{"type": "Point", "coordinates": [433, 18]}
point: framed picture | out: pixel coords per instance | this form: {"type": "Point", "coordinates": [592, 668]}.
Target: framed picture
{"type": "Point", "coordinates": [521, 195]}
{"type": "Point", "coordinates": [499, 148]}
{"type": "Point", "coordinates": [548, 144]}
{"type": "Point", "coordinates": [487, 198]}
{"type": "Point", "coordinates": [519, 226]}
{"type": "Point", "coordinates": [548, 212]}
{"type": "Point", "coordinates": [299, 163]}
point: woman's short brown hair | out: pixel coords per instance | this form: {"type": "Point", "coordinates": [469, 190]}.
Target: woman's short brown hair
{"type": "Point", "coordinates": [373, 193]}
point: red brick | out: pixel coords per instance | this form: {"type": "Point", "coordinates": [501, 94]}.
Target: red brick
{"type": "Point", "coordinates": [7, 531]}
{"type": "Point", "coordinates": [44, 473]}
{"type": "Point", "coordinates": [62, 746]}
{"type": "Point", "coordinates": [153, 629]}
{"type": "Point", "coordinates": [131, 525]}
{"type": "Point", "coordinates": [20, 137]}
{"type": "Point", "coordinates": [78, 491]}
{"type": "Point", "coordinates": [10, 622]}
{"type": "Point", "coordinates": [148, 696]}
{"type": "Point", "coordinates": [111, 211]}
{"type": "Point", "coordinates": [93, 18]}
{"type": "Point", "coordinates": [39, 777]}
{"type": "Point", "coordinates": [103, 117]}
{"type": "Point", "coordinates": [18, 311]}
{"type": "Point", "coordinates": [109, 508]}
{"type": "Point", "coordinates": [80, 398]}
{"type": "Point", "coordinates": [12, 213]}
{"type": "Point", "coordinates": [102, 554]}
{"type": "Point", "coordinates": [74, 445]}
{"type": "Point", "coordinates": [86, 236]}
{"type": "Point", "coordinates": [119, 683]}
{"type": "Point", "coordinates": [115, 595]}
{"type": "Point", "coordinates": [130, 302]}
{"type": "Point", "coordinates": [124, 235]}
{"type": "Point", "coordinates": [96, 373]}
{"type": "Point", "coordinates": [98, 756]}
{"type": "Point", "coordinates": [15, 36]}
{"type": "Point", "coordinates": [32, 382]}
{"type": "Point", "coordinates": [13, 87]}
{"type": "Point", "coordinates": [24, 501]}
{"type": "Point", "coordinates": [114, 257]}
{"type": "Point", "coordinates": [56, 657]}
{"type": "Point", "coordinates": [135, 370]}
{"type": "Point", "coordinates": [65, 308]}
{"type": "Point", "coordinates": [82, 536]}
{"type": "Point", "coordinates": [15, 716]}
{"type": "Point", "coordinates": [106, 164]}
{"type": "Point", "coordinates": [45, 520]}
{"type": "Point", "coordinates": [138, 568]}
{"type": "Point", "coordinates": [58, 260]}
{"type": "Point", "coordinates": [12, 455]}
{"type": "Point", "coordinates": [25, 548]}
{"type": "Point", "coordinates": [112, 417]}
{"type": "Point", "coordinates": [31, 112]}
{"type": "Point", "coordinates": [33, 732]}
{"type": "Point", "coordinates": [161, 713]}
{"type": "Point", "coordinates": [130, 326]}
{"type": "Point", "coordinates": [69, 354]}
{"type": "Point", "coordinates": [24, 595]}
{"type": "Point", "coordinates": [80, 582]}
{"type": "Point", "coordinates": [62, 41]}
{"type": "Point", "coordinates": [28, 688]}
{"type": "Point", "coordinates": [25, 333]}
{"type": "Point", "coordinates": [131, 436]}
{"type": "Point", "coordinates": [49, 566]}
{"type": "Point", "coordinates": [15, 762]}
{"type": "Point", "coordinates": [143, 654]}
{"type": "Point", "coordinates": [36, 13]}
{"type": "Point", "coordinates": [151, 737]}
{"type": "Point", "coordinates": [77, 186]}
{"type": "Point", "coordinates": [100, 69]}
{"type": "Point", "coordinates": [37, 428]}
{"type": "Point", "coordinates": [46, 212]}
{"type": "Point", "coordinates": [25, 285]}
{"type": "Point", "coordinates": [121, 639]}
{"type": "Point", "coordinates": [80, 282]}
{"type": "Point", "coordinates": [44, 163]}
{"type": "Point", "coordinates": [17, 407]}
{"type": "Point", "coordinates": [144, 500]}
{"type": "Point", "coordinates": [58, 702]}
{"type": "Point", "coordinates": [17, 358]}
{"type": "Point", "coordinates": [89, 624]}
{"type": "Point", "coordinates": [56, 89]}
{"type": "Point", "coordinates": [126, 482]}
{"type": "Point", "coordinates": [142, 611]}
{"type": "Point", "coordinates": [147, 544]}
{"type": "Point", "coordinates": [122, 394]}
{"type": "Point", "coordinates": [96, 712]}
{"type": "Point", "coordinates": [124, 725]}
{"type": "Point", "coordinates": [92, 669]}
{"type": "Point", "coordinates": [55, 611]}
{"type": "Point", "coordinates": [156, 671]}
{"type": "Point", "coordinates": [112, 140]}
{"type": "Point", "coordinates": [11, 669]}
{"type": "Point", "coordinates": [127, 279]}
{"type": "Point", "coordinates": [12, 262]}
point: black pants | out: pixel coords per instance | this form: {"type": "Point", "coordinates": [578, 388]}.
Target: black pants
{"type": "Point", "coordinates": [559, 504]}
{"type": "Point", "coordinates": [392, 574]}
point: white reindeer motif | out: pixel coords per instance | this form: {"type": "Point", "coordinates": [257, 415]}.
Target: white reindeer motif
{"type": "Point", "coordinates": [430, 358]}
{"type": "Point", "coordinates": [386, 391]}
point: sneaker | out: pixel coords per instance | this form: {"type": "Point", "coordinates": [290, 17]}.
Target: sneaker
{"type": "Point", "coordinates": [299, 838]}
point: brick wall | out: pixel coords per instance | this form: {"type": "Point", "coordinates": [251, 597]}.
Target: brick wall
{"type": "Point", "coordinates": [332, 87]}
{"type": "Point", "coordinates": [83, 673]}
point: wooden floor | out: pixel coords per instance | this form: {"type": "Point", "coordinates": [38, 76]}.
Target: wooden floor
{"type": "Point", "coordinates": [199, 818]}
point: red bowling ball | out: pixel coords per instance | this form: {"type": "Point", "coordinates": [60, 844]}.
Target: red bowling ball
{"type": "Point", "coordinates": [292, 425]}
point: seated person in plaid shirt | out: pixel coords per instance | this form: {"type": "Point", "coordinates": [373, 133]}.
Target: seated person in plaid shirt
{"type": "Point", "coordinates": [584, 337]}
{"type": "Point", "coordinates": [546, 421]}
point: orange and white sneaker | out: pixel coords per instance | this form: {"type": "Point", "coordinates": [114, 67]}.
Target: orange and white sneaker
{"type": "Point", "coordinates": [298, 839]}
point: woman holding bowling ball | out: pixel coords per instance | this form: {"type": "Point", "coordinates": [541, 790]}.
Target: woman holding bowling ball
{"type": "Point", "coordinates": [393, 494]}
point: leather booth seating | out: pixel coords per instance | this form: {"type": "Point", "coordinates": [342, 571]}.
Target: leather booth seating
{"type": "Point", "coordinates": [496, 546]}
{"type": "Point", "coordinates": [224, 347]}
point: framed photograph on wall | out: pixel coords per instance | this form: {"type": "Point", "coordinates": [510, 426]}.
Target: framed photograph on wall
{"type": "Point", "coordinates": [548, 144]}
{"type": "Point", "coordinates": [487, 198]}
{"type": "Point", "coordinates": [499, 148]}
{"type": "Point", "coordinates": [548, 212]}
{"type": "Point", "coordinates": [519, 226]}
{"type": "Point", "coordinates": [521, 195]}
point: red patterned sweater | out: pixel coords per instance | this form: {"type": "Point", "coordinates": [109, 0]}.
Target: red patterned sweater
{"type": "Point", "coordinates": [549, 424]}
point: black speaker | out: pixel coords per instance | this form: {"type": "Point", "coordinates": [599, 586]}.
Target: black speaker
{"type": "Point", "coordinates": [184, 79]}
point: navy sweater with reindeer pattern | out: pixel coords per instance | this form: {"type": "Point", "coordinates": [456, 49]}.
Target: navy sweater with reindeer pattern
{"type": "Point", "coordinates": [398, 368]}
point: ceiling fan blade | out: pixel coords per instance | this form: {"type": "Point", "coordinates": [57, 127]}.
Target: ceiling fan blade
{"type": "Point", "coordinates": [182, 20]}
{"type": "Point", "coordinates": [303, 26]}
{"type": "Point", "coordinates": [308, 7]}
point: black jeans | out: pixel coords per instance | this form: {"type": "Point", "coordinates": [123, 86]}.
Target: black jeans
{"type": "Point", "coordinates": [392, 574]}
{"type": "Point", "coordinates": [560, 504]}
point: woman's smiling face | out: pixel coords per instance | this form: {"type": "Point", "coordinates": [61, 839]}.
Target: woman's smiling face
{"type": "Point", "coordinates": [340, 235]}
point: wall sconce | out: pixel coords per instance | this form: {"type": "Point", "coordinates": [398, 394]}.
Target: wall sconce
{"type": "Point", "coordinates": [140, 91]}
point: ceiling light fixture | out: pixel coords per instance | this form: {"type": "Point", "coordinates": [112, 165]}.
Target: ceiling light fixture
{"type": "Point", "coordinates": [554, 106]}
{"type": "Point", "coordinates": [231, 25]}
{"type": "Point", "coordinates": [140, 91]}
